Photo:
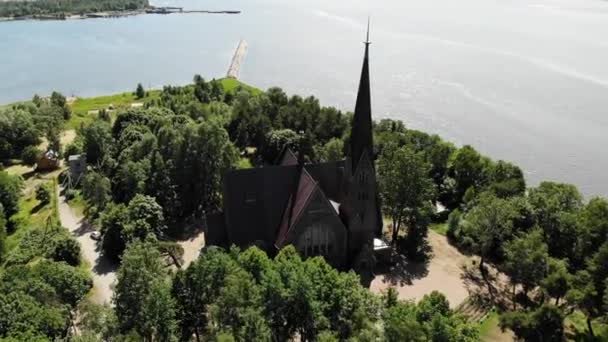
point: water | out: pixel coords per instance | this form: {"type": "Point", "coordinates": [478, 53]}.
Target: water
{"type": "Point", "coordinates": [521, 80]}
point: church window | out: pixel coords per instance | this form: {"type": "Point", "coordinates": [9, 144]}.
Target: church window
{"type": "Point", "coordinates": [362, 178]}
{"type": "Point", "coordinates": [316, 240]}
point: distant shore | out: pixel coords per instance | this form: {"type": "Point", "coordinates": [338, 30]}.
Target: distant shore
{"type": "Point", "coordinates": [114, 14]}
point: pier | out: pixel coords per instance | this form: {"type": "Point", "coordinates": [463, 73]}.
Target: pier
{"type": "Point", "coordinates": [234, 69]}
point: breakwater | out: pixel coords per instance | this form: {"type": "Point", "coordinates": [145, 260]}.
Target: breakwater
{"type": "Point", "coordinates": [234, 70]}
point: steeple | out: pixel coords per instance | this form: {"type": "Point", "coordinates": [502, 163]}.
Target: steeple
{"type": "Point", "coordinates": [361, 140]}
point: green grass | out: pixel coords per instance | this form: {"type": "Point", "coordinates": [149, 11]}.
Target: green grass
{"type": "Point", "coordinates": [29, 217]}
{"type": "Point", "coordinates": [231, 84]}
{"type": "Point", "coordinates": [489, 325]}
{"type": "Point", "coordinates": [78, 204]}
{"type": "Point", "coordinates": [83, 106]}
{"type": "Point", "coordinates": [440, 228]}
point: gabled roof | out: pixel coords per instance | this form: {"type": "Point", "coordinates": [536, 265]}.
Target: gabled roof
{"type": "Point", "coordinates": [287, 157]}
{"type": "Point", "coordinates": [296, 205]}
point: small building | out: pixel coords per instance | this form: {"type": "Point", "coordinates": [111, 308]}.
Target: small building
{"type": "Point", "coordinates": [49, 161]}
{"type": "Point", "coordinates": [78, 166]}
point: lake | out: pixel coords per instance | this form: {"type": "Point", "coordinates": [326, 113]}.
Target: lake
{"type": "Point", "coordinates": [520, 80]}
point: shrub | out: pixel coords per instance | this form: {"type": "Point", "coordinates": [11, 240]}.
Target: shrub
{"type": "Point", "coordinates": [30, 155]}
{"type": "Point", "coordinates": [43, 194]}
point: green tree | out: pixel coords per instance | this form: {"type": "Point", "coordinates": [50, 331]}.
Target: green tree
{"type": "Point", "coordinates": [405, 188]}
{"type": "Point", "coordinates": [10, 189]}
{"type": "Point", "coordinates": [2, 233]}
{"type": "Point", "coordinates": [96, 141]}
{"type": "Point", "coordinates": [68, 250]}
{"type": "Point", "coordinates": [486, 227]}
{"type": "Point", "coordinates": [140, 93]}
{"type": "Point", "coordinates": [18, 132]}
{"type": "Point", "coordinates": [277, 140]}
{"type": "Point", "coordinates": [555, 207]}
{"type": "Point", "coordinates": [142, 298]}
{"type": "Point", "coordinates": [59, 101]}
{"type": "Point", "coordinates": [43, 194]}
{"type": "Point", "coordinates": [558, 280]}
{"type": "Point", "coordinates": [543, 324]}
{"type": "Point", "coordinates": [467, 169]}
{"type": "Point", "coordinates": [526, 260]}
{"type": "Point", "coordinates": [145, 216]}
{"type": "Point", "coordinates": [113, 220]}
{"type": "Point", "coordinates": [332, 151]}
{"type": "Point", "coordinates": [96, 189]}
{"type": "Point", "coordinates": [30, 155]}
{"type": "Point", "coordinates": [196, 288]}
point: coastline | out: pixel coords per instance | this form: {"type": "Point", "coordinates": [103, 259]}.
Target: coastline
{"type": "Point", "coordinates": [113, 14]}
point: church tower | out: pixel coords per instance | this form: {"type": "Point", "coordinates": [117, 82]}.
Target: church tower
{"type": "Point", "coordinates": [366, 218]}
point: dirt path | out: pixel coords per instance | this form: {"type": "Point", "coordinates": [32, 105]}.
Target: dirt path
{"type": "Point", "coordinates": [442, 273]}
{"type": "Point", "coordinates": [103, 271]}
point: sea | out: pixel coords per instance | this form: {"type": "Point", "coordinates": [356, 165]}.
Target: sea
{"type": "Point", "coordinates": [520, 80]}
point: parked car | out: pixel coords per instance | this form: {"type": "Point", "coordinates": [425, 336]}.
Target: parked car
{"type": "Point", "coordinates": [96, 236]}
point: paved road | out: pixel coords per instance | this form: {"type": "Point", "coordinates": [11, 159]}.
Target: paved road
{"type": "Point", "coordinates": [104, 273]}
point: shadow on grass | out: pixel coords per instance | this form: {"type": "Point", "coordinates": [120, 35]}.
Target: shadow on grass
{"type": "Point", "coordinates": [37, 208]}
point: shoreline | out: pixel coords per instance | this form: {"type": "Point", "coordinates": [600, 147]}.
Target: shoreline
{"type": "Point", "coordinates": [112, 14]}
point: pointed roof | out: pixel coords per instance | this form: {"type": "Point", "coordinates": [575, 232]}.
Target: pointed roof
{"type": "Point", "coordinates": [296, 205]}
{"type": "Point", "coordinates": [287, 157]}
{"type": "Point", "coordinates": [361, 134]}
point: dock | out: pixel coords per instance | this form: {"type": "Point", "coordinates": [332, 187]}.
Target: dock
{"type": "Point", "coordinates": [234, 70]}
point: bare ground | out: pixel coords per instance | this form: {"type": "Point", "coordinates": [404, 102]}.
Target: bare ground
{"type": "Point", "coordinates": [443, 272]}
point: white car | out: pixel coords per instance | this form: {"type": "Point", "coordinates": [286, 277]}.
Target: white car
{"type": "Point", "coordinates": [96, 236]}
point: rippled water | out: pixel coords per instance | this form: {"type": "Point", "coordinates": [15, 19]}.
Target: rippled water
{"type": "Point", "coordinates": [521, 80]}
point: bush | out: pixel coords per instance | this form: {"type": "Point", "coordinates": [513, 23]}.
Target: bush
{"type": "Point", "coordinates": [74, 148]}
{"type": "Point", "coordinates": [68, 250]}
{"type": "Point", "coordinates": [43, 194]}
{"type": "Point", "coordinates": [30, 155]}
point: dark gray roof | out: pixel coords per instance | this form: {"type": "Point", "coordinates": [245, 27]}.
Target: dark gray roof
{"type": "Point", "coordinates": [255, 199]}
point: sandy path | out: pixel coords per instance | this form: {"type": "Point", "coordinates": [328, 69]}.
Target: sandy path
{"type": "Point", "coordinates": [103, 271]}
{"type": "Point", "coordinates": [442, 273]}
{"type": "Point", "coordinates": [192, 248]}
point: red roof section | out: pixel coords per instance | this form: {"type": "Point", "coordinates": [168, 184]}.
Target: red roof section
{"type": "Point", "coordinates": [306, 187]}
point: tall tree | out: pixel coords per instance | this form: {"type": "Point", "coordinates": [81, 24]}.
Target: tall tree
{"type": "Point", "coordinates": [526, 260]}
{"type": "Point", "coordinates": [405, 187]}
{"type": "Point", "coordinates": [142, 296]}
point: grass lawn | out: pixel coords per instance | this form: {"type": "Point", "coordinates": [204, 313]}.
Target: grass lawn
{"type": "Point", "coordinates": [78, 204]}
{"type": "Point", "coordinates": [231, 84]}
{"type": "Point", "coordinates": [82, 106]}
{"type": "Point", "coordinates": [440, 228]}
{"type": "Point", "coordinates": [31, 214]}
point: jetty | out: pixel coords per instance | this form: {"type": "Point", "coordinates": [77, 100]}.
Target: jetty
{"type": "Point", "coordinates": [234, 70]}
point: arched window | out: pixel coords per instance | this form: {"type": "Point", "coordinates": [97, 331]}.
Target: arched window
{"type": "Point", "coordinates": [317, 239]}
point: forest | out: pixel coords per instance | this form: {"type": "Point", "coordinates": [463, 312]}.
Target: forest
{"type": "Point", "coordinates": [155, 169]}
{"type": "Point", "coordinates": [19, 8]}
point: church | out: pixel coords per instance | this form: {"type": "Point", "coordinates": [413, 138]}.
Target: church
{"type": "Point", "coordinates": [327, 209]}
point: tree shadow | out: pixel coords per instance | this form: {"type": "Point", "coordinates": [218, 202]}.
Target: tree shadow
{"type": "Point", "coordinates": [37, 208]}
{"type": "Point", "coordinates": [187, 229]}
{"type": "Point", "coordinates": [103, 264]}
{"type": "Point", "coordinates": [84, 227]}
{"type": "Point", "coordinates": [403, 271]}
{"type": "Point", "coordinates": [490, 289]}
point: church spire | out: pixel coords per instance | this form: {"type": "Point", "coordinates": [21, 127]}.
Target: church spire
{"type": "Point", "coordinates": [361, 134]}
